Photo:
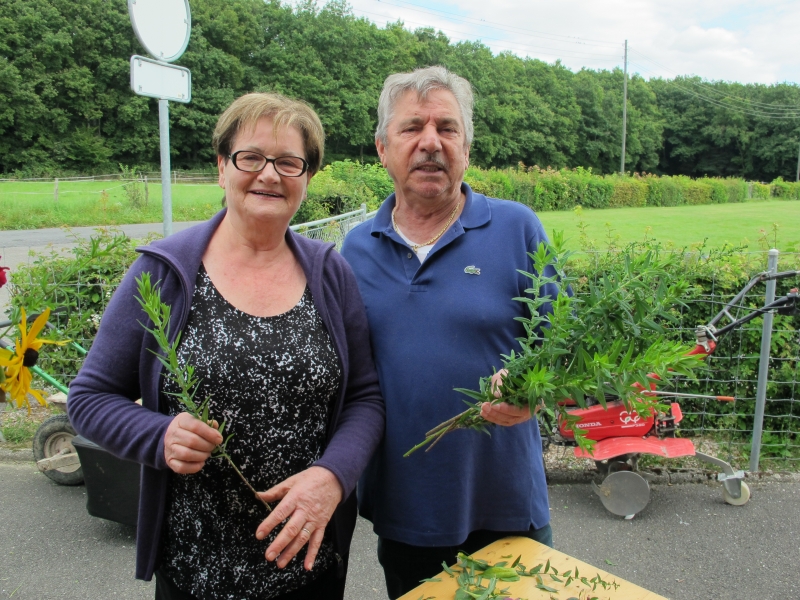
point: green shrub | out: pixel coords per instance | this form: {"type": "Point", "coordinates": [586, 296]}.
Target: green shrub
{"type": "Point", "coordinates": [760, 191]}
{"type": "Point", "coordinates": [719, 191]}
{"type": "Point", "coordinates": [588, 189]}
{"type": "Point", "coordinates": [716, 277]}
{"type": "Point", "coordinates": [552, 191]}
{"type": "Point", "coordinates": [627, 192]}
{"type": "Point", "coordinates": [491, 182]}
{"type": "Point", "coordinates": [371, 176]}
{"type": "Point", "coordinates": [135, 190]}
{"type": "Point", "coordinates": [663, 191]}
{"type": "Point", "coordinates": [77, 287]}
{"type": "Point", "coordinates": [523, 183]}
{"type": "Point", "coordinates": [313, 208]}
{"type": "Point", "coordinates": [694, 191]}
{"type": "Point", "coordinates": [737, 189]}
{"type": "Point", "coordinates": [785, 190]}
{"type": "Point", "coordinates": [330, 195]}
{"type": "Point", "coordinates": [83, 280]}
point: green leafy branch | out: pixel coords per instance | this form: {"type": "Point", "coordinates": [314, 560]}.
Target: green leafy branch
{"type": "Point", "coordinates": [609, 341]}
{"type": "Point", "coordinates": [470, 574]}
{"type": "Point", "coordinates": [183, 377]}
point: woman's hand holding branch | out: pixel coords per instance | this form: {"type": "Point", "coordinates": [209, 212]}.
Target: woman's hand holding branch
{"type": "Point", "coordinates": [188, 443]}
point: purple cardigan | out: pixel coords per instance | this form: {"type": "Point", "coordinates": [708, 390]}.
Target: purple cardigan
{"type": "Point", "coordinates": [121, 368]}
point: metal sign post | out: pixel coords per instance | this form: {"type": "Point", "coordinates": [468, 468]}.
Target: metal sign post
{"type": "Point", "coordinates": [166, 186]}
{"type": "Point", "coordinates": [163, 28]}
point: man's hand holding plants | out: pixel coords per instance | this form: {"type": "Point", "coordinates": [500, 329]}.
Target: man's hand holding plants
{"type": "Point", "coordinates": [503, 413]}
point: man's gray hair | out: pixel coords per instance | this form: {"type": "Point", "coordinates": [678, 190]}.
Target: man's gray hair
{"type": "Point", "coordinates": [424, 81]}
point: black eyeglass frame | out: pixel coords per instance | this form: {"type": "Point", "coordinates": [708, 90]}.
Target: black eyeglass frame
{"type": "Point", "coordinates": [232, 157]}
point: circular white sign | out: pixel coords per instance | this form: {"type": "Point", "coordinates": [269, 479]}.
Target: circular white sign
{"type": "Point", "coordinates": [162, 26]}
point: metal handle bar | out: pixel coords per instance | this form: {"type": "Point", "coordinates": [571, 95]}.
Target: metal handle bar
{"type": "Point", "coordinates": [785, 302]}
{"type": "Point", "coordinates": [761, 277]}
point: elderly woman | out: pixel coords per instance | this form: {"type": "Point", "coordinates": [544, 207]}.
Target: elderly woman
{"type": "Point", "coordinates": [275, 328]}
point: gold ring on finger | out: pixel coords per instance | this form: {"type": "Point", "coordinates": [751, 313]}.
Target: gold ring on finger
{"type": "Point", "coordinates": [306, 530]}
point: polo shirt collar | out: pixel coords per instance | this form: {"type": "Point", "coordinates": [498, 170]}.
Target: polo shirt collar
{"type": "Point", "coordinates": [475, 214]}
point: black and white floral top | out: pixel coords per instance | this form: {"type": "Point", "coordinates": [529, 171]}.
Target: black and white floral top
{"type": "Point", "coordinates": [273, 380]}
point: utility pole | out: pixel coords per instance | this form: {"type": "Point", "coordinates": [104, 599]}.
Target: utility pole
{"type": "Point", "coordinates": [624, 110]}
{"type": "Point", "coordinates": [797, 177]}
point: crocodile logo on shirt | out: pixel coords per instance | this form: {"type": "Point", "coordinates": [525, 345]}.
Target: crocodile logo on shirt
{"type": "Point", "coordinates": [472, 270]}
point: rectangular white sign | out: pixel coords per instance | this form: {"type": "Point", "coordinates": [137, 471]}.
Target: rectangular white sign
{"type": "Point", "coordinates": [160, 80]}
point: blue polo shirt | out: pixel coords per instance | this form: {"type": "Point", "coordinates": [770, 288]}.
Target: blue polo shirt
{"type": "Point", "coordinates": [436, 326]}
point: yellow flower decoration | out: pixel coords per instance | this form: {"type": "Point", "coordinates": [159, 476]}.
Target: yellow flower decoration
{"type": "Point", "coordinates": [17, 382]}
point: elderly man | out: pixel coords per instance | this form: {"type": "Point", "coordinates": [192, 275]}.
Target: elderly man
{"type": "Point", "coordinates": [438, 268]}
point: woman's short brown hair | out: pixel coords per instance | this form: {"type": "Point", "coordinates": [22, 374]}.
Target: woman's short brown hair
{"type": "Point", "coordinates": [246, 111]}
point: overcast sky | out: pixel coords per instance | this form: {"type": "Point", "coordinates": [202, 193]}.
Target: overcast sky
{"type": "Point", "coordinates": [732, 40]}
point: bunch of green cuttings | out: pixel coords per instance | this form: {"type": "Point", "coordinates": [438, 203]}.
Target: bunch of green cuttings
{"type": "Point", "coordinates": [601, 341]}
{"type": "Point", "coordinates": [470, 574]}
{"type": "Point", "coordinates": [182, 375]}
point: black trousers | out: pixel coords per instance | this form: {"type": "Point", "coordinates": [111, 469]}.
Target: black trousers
{"type": "Point", "coordinates": [327, 586]}
{"type": "Point", "coordinates": [405, 565]}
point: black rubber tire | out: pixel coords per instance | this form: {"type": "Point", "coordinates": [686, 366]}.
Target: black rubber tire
{"type": "Point", "coordinates": [54, 434]}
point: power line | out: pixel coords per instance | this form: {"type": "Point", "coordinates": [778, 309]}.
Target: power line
{"type": "Point", "coordinates": [701, 91]}
{"type": "Point", "coordinates": [549, 50]}
{"type": "Point", "coordinates": [775, 108]}
{"type": "Point", "coordinates": [733, 108]}
{"type": "Point", "coordinates": [753, 111]}
{"type": "Point", "coordinates": [501, 26]}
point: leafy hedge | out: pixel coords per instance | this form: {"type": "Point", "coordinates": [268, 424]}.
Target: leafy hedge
{"type": "Point", "coordinates": [76, 286]}
{"type": "Point", "coordinates": [344, 185]}
{"type": "Point", "coordinates": [550, 189]}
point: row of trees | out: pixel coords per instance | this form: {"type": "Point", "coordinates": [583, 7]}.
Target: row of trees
{"type": "Point", "coordinates": [66, 104]}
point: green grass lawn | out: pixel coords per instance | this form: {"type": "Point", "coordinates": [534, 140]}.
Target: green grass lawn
{"type": "Point", "coordinates": [26, 205]}
{"type": "Point", "coordinates": [32, 205]}
{"type": "Point", "coordinates": [756, 224]}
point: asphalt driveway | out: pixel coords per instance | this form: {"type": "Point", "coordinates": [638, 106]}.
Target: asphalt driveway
{"type": "Point", "coordinates": [687, 544]}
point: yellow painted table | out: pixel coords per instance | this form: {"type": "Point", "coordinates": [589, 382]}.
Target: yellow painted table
{"type": "Point", "coordinates": [534, 553]}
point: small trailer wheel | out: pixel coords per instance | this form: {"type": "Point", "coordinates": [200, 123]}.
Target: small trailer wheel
{"type": "Point", "coordinates": [54, 435]}
{"type": "Point", "coordinates": [741, 500]}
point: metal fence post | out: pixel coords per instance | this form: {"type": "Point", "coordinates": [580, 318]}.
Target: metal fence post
{"type": "Point", "coordinates": [363, 212]}
{"type": "Point", "coordinates": [763, 365]}
{"type": "Point", "coordinates": [55, 191]}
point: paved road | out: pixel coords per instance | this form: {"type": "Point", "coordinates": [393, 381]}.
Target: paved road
{"type": "Point", "coordinates": [16, 246]}
{"type": "Point", "coordinates": [58, 235]}
{"type": "Point", "coordinates": [686, 545]}
{"type": "Point", "coordinates": [50, 548]}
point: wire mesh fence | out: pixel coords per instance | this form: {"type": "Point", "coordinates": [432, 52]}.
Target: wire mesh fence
{"type": "Point", "coordinates": [176, 176]}
{"type": "Point", "coordinates": [733, 370]}
{"type": "Point", "coordinates": [333, 229]}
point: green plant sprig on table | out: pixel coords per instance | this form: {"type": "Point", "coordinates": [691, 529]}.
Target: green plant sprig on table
{"type": "Point", "coordinates": [602, 341]}
{"type": "Point", "coordinates": [470, 572]}
{"type": "Point", "coordinates": [182, 376]}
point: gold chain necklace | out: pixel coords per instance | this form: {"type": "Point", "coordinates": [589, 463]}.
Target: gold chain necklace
{"type": "Point", "coordinates": [416, 247]}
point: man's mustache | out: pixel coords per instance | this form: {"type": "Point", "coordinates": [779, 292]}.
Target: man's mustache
{"type": "Point", "coordinates": [430, 159]}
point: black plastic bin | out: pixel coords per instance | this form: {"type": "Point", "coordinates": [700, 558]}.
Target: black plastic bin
{"type": "Point", "coordinates": [112, 484]}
